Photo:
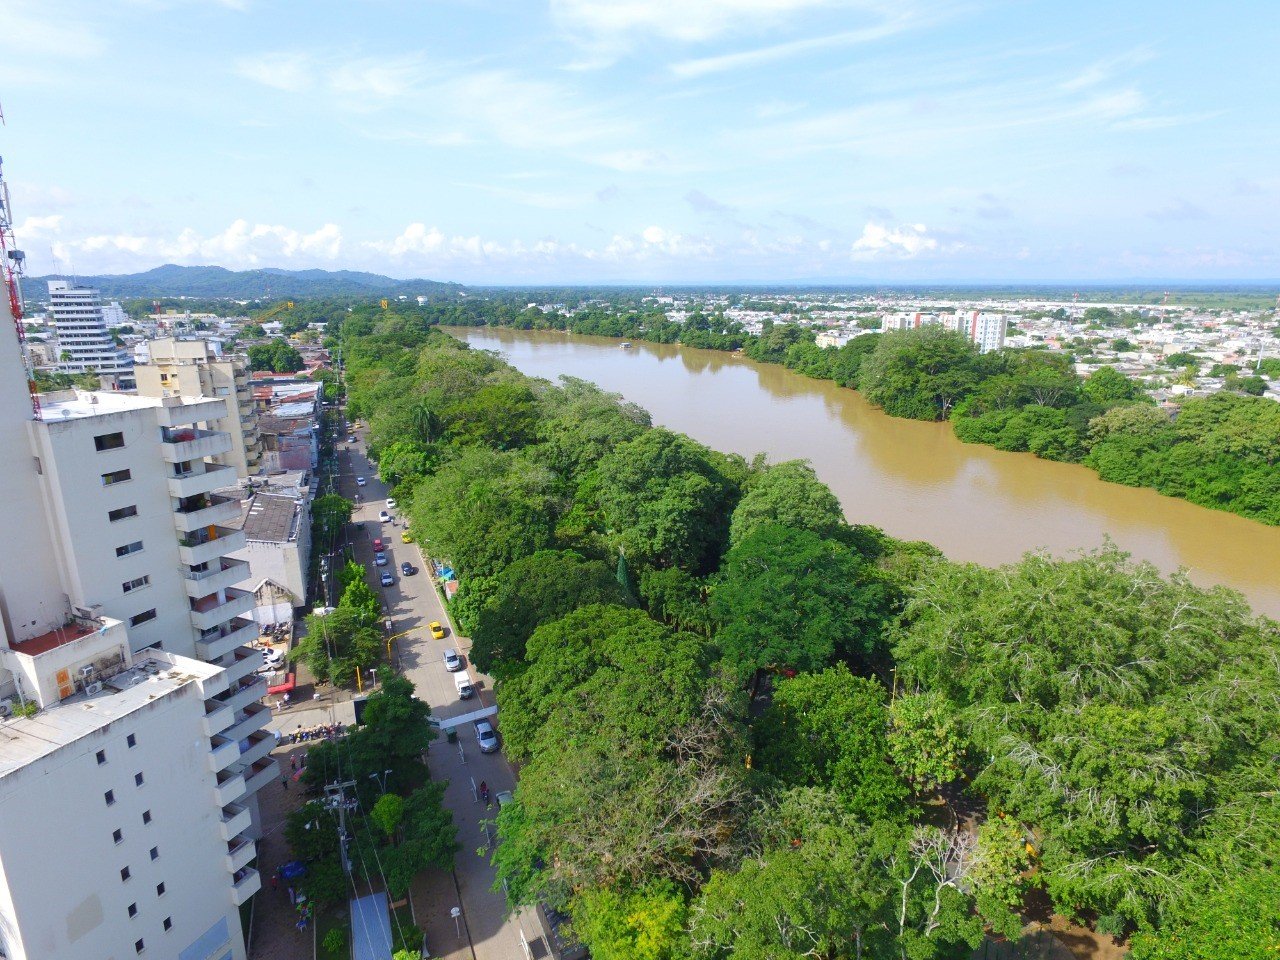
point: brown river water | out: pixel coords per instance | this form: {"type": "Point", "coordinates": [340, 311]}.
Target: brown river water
{"type": "Point", "coordinates": [914, 480]}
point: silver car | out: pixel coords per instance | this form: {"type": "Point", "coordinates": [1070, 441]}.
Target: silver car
{"type": "Point", "coordinates": [486, 736]}
{"type": "Point", "coordinates": [452, 661]}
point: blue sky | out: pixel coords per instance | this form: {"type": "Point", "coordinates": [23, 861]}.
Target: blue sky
{"type": "Point", "coordinates": [648, 140]}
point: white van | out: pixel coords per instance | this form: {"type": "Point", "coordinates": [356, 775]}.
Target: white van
{"type": "Point", "coordinates": [466, 689]}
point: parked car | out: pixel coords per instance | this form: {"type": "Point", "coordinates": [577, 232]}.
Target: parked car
{"type": "Point", "coordinates": [378, 546]}
{"type": "Point", "coordinates": [452, 660]}
{"type": "Point", "coordinates": [379, 559]}
{"type": "Point", "coordinates": [437, 630]}
{"type": "Point", "coordinates": [486, 736]}
{"type": "Point", "coordinates": [384, 517]}
{"type": "Point", "coordinates": [391, 503]}
{"type": "Point", "coordinates": [504, 797]}
{"type": "Point", "coordinates": [406, 568]}
{"type": "Point", "coordinates": [387, 579]}
{"type": "Point", "coordinates": [361, 481]}
{"type": "Point", "coordinates": [406, 537]}
{"type": "Point", "coordinates": [351, 438]}
{"type": "Point", "coordinates": [273, 660]}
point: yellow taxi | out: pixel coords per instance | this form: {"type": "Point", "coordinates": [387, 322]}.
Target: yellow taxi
{"type": "Point", "coordinates": [437, 631]}
{"type": "Point", "coordinates": [406, 537]}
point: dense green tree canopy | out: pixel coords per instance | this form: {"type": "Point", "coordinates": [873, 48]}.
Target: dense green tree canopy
{"type": "Point", "coordinates": [920, 373]}
{"type": "Point", "coordinates": [666, 500]}
{"type": "Point", "coordinates": [484, 509]}
{"type": "Point", "coordinates": [531, 591]}
{"type": "Point", "coordinates": [790, 495]}
{"type": "Point", "coordinates": [789, 598]}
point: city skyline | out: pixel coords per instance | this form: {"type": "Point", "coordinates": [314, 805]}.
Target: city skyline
{"type": "Point", "coordinates": [582, 141]}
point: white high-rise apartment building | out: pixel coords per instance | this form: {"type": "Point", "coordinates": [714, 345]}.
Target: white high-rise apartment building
{"type": "Point", "coordinates": [194, 369]}
{"type": "Point", "coordinates": [121, 833]}
{"type": "Point", "coordinates": [987, 330]}
{"type": "Point", "coordinates": [116, 556]}
{"type": "Point", "coordinates": [84, 345]}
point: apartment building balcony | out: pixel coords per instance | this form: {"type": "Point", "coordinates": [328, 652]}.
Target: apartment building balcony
{"type": "Point", "coordinates": [217, 608]}
{"type": "Point", "coordinates": [245, 661]}
{"type": "Point", "coordinates": [219, 573]}
{"type": "Point", "coordinates": [259, 774]}
{"type": "Point", "coordinates": [213, 645]}
{"type": "Point", "coordinates": [240, 852]}
{"type": "Point", "coordinates": [235, 820]}
{"type": "Point", "coordinates": [188, 443]}
{"type": "Point", "coordinates": [193, 482]}
{"type": "Point", "coordinates": [241, 693]}
{"type": "Point", "coordinates": [245, 883]}
{"type": "Point", "coordinates": [177, 412]}
{"type": "Point", "coordinates": [203, 510]}
{"type": "Point", "coordinates": [249, 721]}
{"type": "Point", "coordinates": [257, 746]}
{"type": "Point", "coordinates": [223, 752]}
{"type": "Point", "coordinates": [204, 546]}
{"type": "Point", "coordinates": [217, 717]}
{"type": "Point", "coordinates": [230, 787]}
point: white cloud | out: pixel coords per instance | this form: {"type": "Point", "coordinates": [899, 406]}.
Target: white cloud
{"type": "Point", "coordinates": [38, 228]}
{"type": "Point", "coordinates": [380, 78]}
{"type": "Point", "coordinates": [780, 51]}
{"type": "Point", "coordinates": [241, 245]}
{"type": "Point", "coordinates": [892, 242]}
{"type": "Point", "coordinates": [682, 20]}
{"type": "Point", "coordinates": [1100, 71]}
{"type": "Point", "coordinates": [44, 28]}
{"type": "Point", "coordinates": [292, 72]}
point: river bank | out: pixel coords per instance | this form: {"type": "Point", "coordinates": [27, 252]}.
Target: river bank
{"type": "Point", "coordinates": [914, 479]}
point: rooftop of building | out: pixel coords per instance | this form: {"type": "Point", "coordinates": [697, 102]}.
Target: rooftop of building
{"type": "Point", "coordinates": [270, 517]}
{"type": "Point", "coordinates": [73, 631]}
{"type": "Point", "coordinates": [75, 404]}
{"type": "Point", "coordinates": [24, 740]}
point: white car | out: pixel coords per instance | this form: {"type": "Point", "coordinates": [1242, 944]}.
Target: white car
{"type": "Point", "coordinates": [360, 481]}
{"type": "Point", "coordinates": [452, 661]}
{"type": "Point", "coordinates": [504, 797]}
{"type": "Point", "coordinates": [486, 736]}
{"type": "Point", "coordinates": [384, 517]}
{"type": "Point", "coordinates": [391, 504]}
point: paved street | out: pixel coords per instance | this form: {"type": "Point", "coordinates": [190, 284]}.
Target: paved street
{"type": "Point", "coordinates": [412, 603]}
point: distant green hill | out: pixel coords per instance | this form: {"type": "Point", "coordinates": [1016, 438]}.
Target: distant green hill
{"type": "Point", "coordinates": [172, 280]}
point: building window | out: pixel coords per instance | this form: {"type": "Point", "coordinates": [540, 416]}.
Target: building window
{"type": "Point", "coordinates": [128, 548]}
{"type": "Point", "coordinates": [101, 756]}
{"type": "Point", "coordinates": [136, 584]}
{"type": "Point", "coordinates": [133, 910]}
{"type": "Point", "coordinates": [137, 779]}
{"type": "Point", "coordinates": [108, 441]}
{"type": "Point", "coordinates": [124, 873]}
{"type": "Point", "coordinates": [116, 476]}
{"type": "Point", "coordinates": [139, 946]}
{"type": "Point", "coordinates": [146, 816]}
{"type": "Point", "coordinates": [155, 853]}
{"type": "Point", "coordinates": [142, 618]}
{"type": "Point", "coordinates": [159, 889]}
{"type": "Point", "coordinates": [110, 797]}
{"type": "Point", "coordinates": [124, 513]}
{"type": "Point", "coordinates": [168, 923]}
{"type": "Point", "coordinates": [131, 740]}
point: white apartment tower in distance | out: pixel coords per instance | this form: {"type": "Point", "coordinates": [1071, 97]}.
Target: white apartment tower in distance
{"type": "Point", "coordinates": [84, 344]}
{"type": "Point", "coordinates": [986, 330]}
{"type": "Point", "coordinates": [127, 799]}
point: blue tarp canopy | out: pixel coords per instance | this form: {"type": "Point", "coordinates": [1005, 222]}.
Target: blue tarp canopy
{"type": "Point", "coordinates": [370, 928]}
{"type": "Point", "coordinates": [292, 870]}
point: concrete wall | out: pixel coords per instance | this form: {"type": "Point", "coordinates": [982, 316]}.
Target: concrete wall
{"type": "Point", "coordinates": [79, 504]}
{"type": "Point", "coordinates": [61, 896]}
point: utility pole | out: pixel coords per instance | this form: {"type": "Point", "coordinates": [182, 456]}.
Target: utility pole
{"type": "Point", "coordinates": [336, 792]}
